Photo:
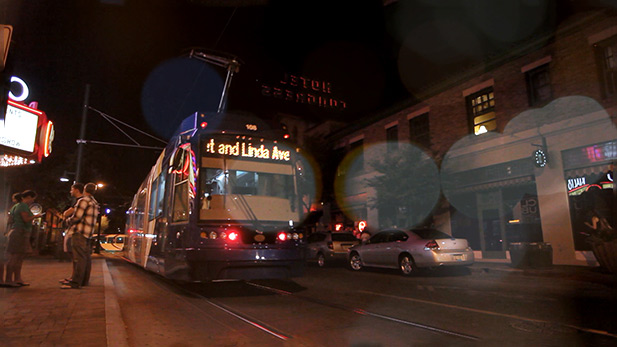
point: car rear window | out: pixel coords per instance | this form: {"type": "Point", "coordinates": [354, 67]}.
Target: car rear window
{"type": "Point", "coordinates": [343, 237]}
{"type": "Point", "coordinates": [431, 234]}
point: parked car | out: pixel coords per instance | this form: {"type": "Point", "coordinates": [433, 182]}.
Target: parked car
{"type": "Point", "coordinates": [409, 250]}
{"type": "Point", "coordinates": [325, 248]}
{"type": "Point", "coordinates": [112, 242]}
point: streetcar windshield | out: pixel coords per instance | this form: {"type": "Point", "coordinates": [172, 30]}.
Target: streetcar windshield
{"type": "Point", "coordinates": [221, 182]}
{"type": "Point", "coordinates": [247, 180]}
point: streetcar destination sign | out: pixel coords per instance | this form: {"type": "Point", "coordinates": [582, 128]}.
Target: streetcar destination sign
{"type": "Point", "coordinates": [245, 149]}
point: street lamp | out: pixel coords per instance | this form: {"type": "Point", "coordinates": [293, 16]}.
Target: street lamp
{"type": "Point", "coordinates": [65, 176]}
{"type": "Point", "coordinates": [100, 185]}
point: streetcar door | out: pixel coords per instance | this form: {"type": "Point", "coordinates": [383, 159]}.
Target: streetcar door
{"type": "Point", "coordinates": [181, 186]}
{"type": "Point", "coordinates": [157, 217]}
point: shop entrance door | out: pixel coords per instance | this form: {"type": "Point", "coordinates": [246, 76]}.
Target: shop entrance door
{"type": "Point", "coordinates": [492, 228]}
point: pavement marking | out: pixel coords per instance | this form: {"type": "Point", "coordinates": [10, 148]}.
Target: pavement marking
{"type": "Point", "coordinates": [588, 330]}
{"type": "Point", "coordinates": [114, 324]}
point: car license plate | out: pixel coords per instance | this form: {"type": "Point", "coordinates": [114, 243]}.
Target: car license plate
{"type": "Point", "coordinates": [458, 257]}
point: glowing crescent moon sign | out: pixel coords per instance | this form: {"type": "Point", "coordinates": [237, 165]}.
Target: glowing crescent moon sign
{"type": "Point", "coordinates": [25, 92]}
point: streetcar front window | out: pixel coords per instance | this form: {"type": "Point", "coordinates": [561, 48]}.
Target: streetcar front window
{"type": "Point", "coordinates": [219, 182]}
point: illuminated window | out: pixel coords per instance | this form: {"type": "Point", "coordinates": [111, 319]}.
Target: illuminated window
{"type": "Point", "coordinates": [481, 110]}
{"type": "Point", "coordinates": [153, 193]}
{"type": "Point", "coordinates": [392, 138]}
{"type": "Point", "coordinates": [160, 203]}
{"type": "Point", "coordinates": [140, 208]}
{"type": "Point", "coordinates": [606, 51]}
{"type": "Point", "coordinates": [156, 197]}
{"type": "Point", "coordinates": [419, 130]}
{"type": "Point", "coordinates": [539, 85]}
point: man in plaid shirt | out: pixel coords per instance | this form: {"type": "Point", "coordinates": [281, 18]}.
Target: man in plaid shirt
{"type": "Point", "coordinates": [82, 224]}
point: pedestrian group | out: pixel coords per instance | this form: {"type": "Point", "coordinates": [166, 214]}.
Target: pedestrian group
{"type": "Point", "coordinates": [80, 220]}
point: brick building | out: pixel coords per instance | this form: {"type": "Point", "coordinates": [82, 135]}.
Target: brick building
{"type": "Point", "coordinates": [522, 147]}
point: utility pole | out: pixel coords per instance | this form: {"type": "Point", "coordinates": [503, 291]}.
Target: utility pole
{"type": "Point", "coordinates": [82, 134]}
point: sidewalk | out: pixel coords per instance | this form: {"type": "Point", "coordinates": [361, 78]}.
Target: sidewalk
{"type": "Point", "coordinates": [571, 272]}
{"type": "Point", "coordinates": [42, 314]}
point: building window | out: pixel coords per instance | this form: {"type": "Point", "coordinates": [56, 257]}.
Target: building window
{"type": "Point", "coordinates": [539, 85]}
{"type": "Point", "coordinates": [339, 154]}
{"type": "Point", "coordinates": [392, 138]}
{"type": "Point", "coordinates": [481, 110]}
{"type": "Point", "coordinates": [606, 52]}
{"type": "Point", "coordinates": [357, 151]}
{"type": "Point", "coordinates": [419, 130]}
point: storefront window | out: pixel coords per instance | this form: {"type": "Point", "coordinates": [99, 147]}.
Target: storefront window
{"type": "Point", "coordinates": [587, 194]}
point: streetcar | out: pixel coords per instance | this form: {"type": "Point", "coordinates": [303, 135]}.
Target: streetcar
{"type": "Point", "coordinates": [222, 202]}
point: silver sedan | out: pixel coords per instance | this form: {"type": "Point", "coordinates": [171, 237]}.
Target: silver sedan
{"type": "Point", "coordinates": [410, 250]}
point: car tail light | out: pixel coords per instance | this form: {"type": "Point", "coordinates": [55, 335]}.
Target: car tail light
{"type": "Point", "coordinates": [431, 246]}
{"type": "Point", "coordinates": [330, 245]}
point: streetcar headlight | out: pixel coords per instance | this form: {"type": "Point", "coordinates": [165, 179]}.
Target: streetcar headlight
{"type": "Point", "coordinates": [223, 235]}
{"type": "Point", "coordinates": [295, 236]}
{"type": "Point", "coordinates": [213, 235]}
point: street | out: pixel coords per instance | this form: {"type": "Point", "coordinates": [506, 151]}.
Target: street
{"type": "Point", "coordinates": [337, 307]}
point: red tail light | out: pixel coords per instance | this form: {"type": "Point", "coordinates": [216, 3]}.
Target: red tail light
{"type": "Point", "coordinates": [233, 236]}
{"type": "Point", "coordinates": [282, 236]}
{"type": "Point", "coordinates": [431, 245]}
{"type": "Point", "coordinates": [330, 245]}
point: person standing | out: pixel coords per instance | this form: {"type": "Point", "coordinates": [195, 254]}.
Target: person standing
{"type": "Point", "coordinates": [3, 243]}
{"type": "Point", "coordinates": [19, 237]}
{"type": "Point", "coordinates": [77, 191]}
{"type": "Point", "coordinates": [89, 190]}
{"type": "Point", "coordinates": [81, 226]}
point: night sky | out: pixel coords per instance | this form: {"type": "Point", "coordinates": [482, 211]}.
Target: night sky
{"type": "Point", "coordinates": [370, 56]}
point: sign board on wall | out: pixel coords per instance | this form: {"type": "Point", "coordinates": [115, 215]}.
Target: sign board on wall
{"type": "Point", "coordinates": [19, 128]}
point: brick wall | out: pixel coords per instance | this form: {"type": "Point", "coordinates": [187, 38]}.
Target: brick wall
{"type": "Point", "coordinates": [573, 71]}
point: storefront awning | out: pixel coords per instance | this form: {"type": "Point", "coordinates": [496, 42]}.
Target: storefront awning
{"type": "Point", "coordinates": [496, 184]}
{"type": "Point", "coordinates": [588, 171]}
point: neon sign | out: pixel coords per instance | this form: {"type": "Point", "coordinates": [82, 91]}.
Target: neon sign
{"type": "Point", "coordinates": [579, 185]}
{"type": "Point", "coordinates": [25, 92]}
{"type": "Point", "coordinates": [248, 150]}
{"type": "Point", "coordinates": [304, 90]}
{"type": "Point", "coordinates": [14, 160]}
{"type": "Point", "coordinates": [574, 183]}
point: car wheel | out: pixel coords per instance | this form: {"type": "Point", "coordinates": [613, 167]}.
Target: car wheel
{"type": "Point", "coordinates": [407, 265]}
{"type": "Point", "coordinates": [321, 260]}
{"type": "Point", "coordinates": [354, 262]}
